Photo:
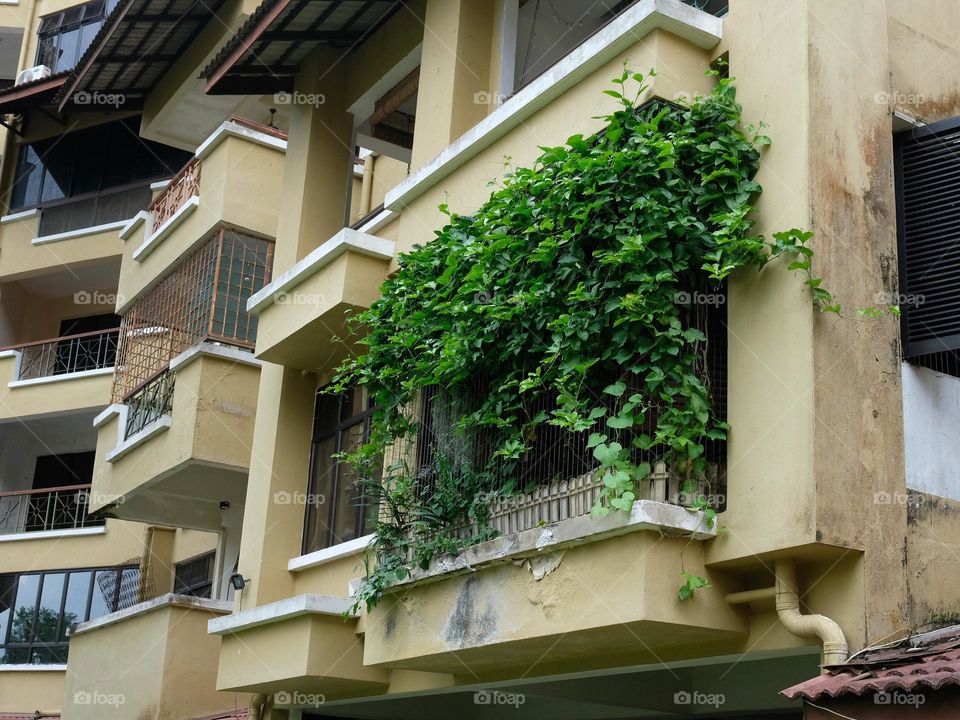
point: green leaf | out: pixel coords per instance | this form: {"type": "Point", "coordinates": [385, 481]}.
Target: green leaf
{"type": "Point", "coordinates": [616, 389]}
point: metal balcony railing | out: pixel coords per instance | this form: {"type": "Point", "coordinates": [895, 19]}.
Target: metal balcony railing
{"type": "Point", "coordinates": [59, 508]}
{"type": "Point", "coordinates": [69, 354]}
{"type": "Point", "coordinates": [184, 185]}
{"type": "Point", "coordinates": [150, 403]}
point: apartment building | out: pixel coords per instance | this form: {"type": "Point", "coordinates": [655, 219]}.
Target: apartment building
{"type": "Point", "coordinates": [199, 197]}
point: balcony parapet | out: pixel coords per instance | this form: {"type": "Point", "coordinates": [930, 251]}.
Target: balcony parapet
{"type": "Point", "coordinates": [45, 510]}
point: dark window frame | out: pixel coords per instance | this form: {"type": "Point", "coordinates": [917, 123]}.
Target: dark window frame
{"type": "Point", "coordinates": [54, 26]}
{"type": "Point", "coordinates": [181, 587]}
{"type": "Point", "coordinates": [60, 647]}
{"type": "Point", "coordinates": [312, 512]}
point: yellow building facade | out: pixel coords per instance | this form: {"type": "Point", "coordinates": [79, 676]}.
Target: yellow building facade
{"type": "Point", "coordinates": [199, 197]}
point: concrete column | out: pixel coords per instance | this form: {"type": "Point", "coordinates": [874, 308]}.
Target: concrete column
{"type": "Point", "coordinates": [455, 73]}
{"type": "Point", "coordinates": [279, 463]}
{"type": "Point", "coordinates": [156, 565]}
{"type": "Point", "coordinates": [319, 162]}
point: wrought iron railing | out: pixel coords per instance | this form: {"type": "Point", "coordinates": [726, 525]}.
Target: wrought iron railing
{"type": "Point", "coordinates": [184, 185]}
{"type": "Point", "coordinates": [68, 354]}
{"type": "Point", "coordinates": [150, 403]}
{"type": "Point", "coordinates": [59, 508]}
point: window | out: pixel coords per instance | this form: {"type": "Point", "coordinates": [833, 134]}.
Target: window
{"type": "Point", "coordinates": [927, 175]}
{"type": "Point", "coordinates": [548, 30]}
{"type": "Point", "coordinates": [37, 609]}
{"type": "Point", "coordinates": [195, 577]}
{"type": "Point", "coordinates": [91, 177]}
{"type": "Point", "coordinates": [64, 36]}
{"type": "Point", "coordinates": [335, 508]}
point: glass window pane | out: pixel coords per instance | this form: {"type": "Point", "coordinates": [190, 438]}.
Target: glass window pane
{"type": "Point", "coordinates": [59, 165]}
{"type": "Point", "coordinates": [27, 178]}
{"type": "Point", "coordinates": [348, 511]}
{"type": "Point", "coordinates": [8, 583]}
{"type": "Point", "coordinates": [104, 592]}
{"type": "Point", "coordinates": [21, 623]}
{"type": "Point", "coordinates": [320, 494]}
{"type": "Point", "coordinates": [67, 55]}
{"type": "Point", "coordinates": [48, 616]}
{"type": "Point", "coordinates": [75, 607]}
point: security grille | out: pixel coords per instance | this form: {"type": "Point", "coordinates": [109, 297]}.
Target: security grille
{"type": "Point", "coordinates": [927, 168]}
{"type": "Point", "coordinates": [202, 298]}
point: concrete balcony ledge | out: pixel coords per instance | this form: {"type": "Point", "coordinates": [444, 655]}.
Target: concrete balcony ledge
{"type": "Point", "coordinates": [22, 215]}
{"type": "Point", "coordinates": [157, 603]}
{"type": "Point", "coordinates": [53, 534]}
{"type": "Point", "coordinates": [347, 240]}
{"type": "Point", "coordinates": [161, 233]}
{"type": "Point", "coordinates": [663, 518]}
{"type": "Point", "coordinates": [60, 378]}
{"type": "Point", "coordinates": [695, 26]}
{"type": "Point", "coordinates": [32, 668]}
{"type": "Point", "coordinates": [80, 232]}
{"type": "Point", "coordinates": [275, 612]}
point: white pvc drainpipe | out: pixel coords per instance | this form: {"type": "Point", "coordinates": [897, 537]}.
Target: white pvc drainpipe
{"type": "Point", "coordinates": [820, 626]}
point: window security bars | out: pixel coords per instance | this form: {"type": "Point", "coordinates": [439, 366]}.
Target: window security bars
{"type": "Point", "coordinates": [204, 298]}
{"type": "Point", "coordinates": [556, 478]}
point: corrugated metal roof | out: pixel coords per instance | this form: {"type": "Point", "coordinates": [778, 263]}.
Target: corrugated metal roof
{"type": "Point", "coordinates": [266, 52]}
{"type": "Point", "coordinates": [925, 662]}
{"type": "Point", "coordinates": [138, 43]}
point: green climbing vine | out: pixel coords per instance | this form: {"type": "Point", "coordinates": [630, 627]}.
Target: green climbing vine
{"type": "Point", "coordinates": [562, 291]}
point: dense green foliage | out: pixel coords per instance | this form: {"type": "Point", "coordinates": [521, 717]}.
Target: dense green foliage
{"type": "Point", "coordinates": [563, 286]}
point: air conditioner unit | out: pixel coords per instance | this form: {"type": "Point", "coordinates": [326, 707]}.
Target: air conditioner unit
{"type": "Point", "coordinates": [38, 72]}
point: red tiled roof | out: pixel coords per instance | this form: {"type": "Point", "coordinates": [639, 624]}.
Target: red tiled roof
{"type": "Point", "coordinates": [924, 662]}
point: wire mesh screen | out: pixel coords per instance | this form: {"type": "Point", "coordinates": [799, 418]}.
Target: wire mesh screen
{"type": "Point", "coordinates": [203, 298]}
{"type": "Point", "coordinates": [555, 478]}
{"type": "Point", "coordinates": [124, 586]}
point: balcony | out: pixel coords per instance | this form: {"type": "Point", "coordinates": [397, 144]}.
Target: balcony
{"type": "Point", "coordinates": [46, 510]}
{"type": "Point", "coordinates": [308, 306]}
{"type": "Point", "coordinates": [36, 371]}
{"type": "Point", "coordinates": [185, 391]}
{"type": "Point", "coordinates": [170, 676]}
{"type": "Point", "coordinates": [234, 181]}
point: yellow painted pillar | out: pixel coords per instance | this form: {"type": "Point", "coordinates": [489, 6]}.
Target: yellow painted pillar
{"type": "Point", "coordinates": [319, 161]}
{"type": "Point", "coordinates": [456, 87]}
{"type": "Point", "coordinates": [279, 464]}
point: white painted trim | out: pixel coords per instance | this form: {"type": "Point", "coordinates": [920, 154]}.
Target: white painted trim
{"type": "Point", "coordinates": [508, 47]}
{"type": "Point", "coordinates": [60, 378]}
{"type": "Point", "coordinates": [32, 668]}
{"type": "Point", "coordinates": [660, 517]}
{"type": "Point", "coordinates": [322, 557]}
{"type": "Point", "coordinates": [8, 354]}
{"type": "Point", "coordinates": [168, 600]}
{"type": "Point", "coordinates": [181, 214]}
{"type": "Point", "coordinates": [134, 223]}
{"type": "Point", "coordinates": [125, 447]}
{"type": "Point", "coordinates": [48, 534]}
{"type": "Point", "coordinates": [628, 28]}
{"type": "Point", "coordinates": [22, 215]}
{"type": "Point", "coordinates": [286, 609]}
{"type": "Point", "coordinates": [213, 350]}
{"type": "Point", "coordinates": [111, 410]}
{"type": "Point", "coordinates": [160, 185]}
{"type": "Point", "coordinates": [232, 129]}
{"type": "Point", "coordinates": [378, 221]}
{"type": "Point", "coordinates": [347, 240]}
{"type": "Point", "coordinates": [82, 232]}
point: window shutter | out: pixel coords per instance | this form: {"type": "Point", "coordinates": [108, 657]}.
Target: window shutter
{"type": "Point", "coordinates": [927, 172]}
